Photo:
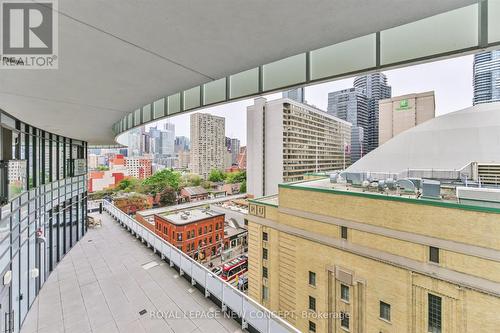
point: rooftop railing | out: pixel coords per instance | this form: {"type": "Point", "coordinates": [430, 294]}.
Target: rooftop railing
{"type": "Point", "coordinates": [253, 316]}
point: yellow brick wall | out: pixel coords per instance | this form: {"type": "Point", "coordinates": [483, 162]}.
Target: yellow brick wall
{"type": "Point", "coordinates": [458, 225]}
{"type": "Point", "coordinates": [406, 292]}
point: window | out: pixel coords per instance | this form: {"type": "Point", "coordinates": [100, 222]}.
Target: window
{"type": "Point", "coordinates": [199, 231]}
{"type": "Point", "coordinates": [264, 254]}
{"type": "Point", "coordinates": [264, 236]}
{"type": "Point", "coordinates": [434, 254]}
{"type": "Point", "coordinates": [343, 232]}
{"type": "Point", "coordinates": [264, 272]}
{"type": "Point", "coordinates": [344, 320]}
{"type": "Point", "coordinates": [312, 327]}
{"type": "Point", "coordinates": [265, 293]}
{"type": "Point", "coordinates": [385, 311]}
{"type": "Point", "coordinates": [434, 309]}
{"type": "Point", "coordinates": [312, 278]}
{"type": "Point", "coordinates": [312, 303]}
{"type": "Point", "coordinates": [205, 229]}
{"type": "Point", "coordinates": [344, 292]}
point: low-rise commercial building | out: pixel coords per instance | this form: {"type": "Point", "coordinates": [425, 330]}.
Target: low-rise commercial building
{"type": "Point", "coordinates": [197, 232]}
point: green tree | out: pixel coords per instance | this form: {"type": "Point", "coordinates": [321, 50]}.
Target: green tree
{"type": "Point", "coordinates": [102, 168]}
{"type": "Point", "coordinates": [190, 179]}
{"type": "Point", "coordinates": [243, 187]}
{"type": "Point", "coordinates": [129, 185]}
{"type": "Point", "coordinates": [216, 176]}
{"type": "Point", "coordinates": [168, 196]}
{"type": "Point", "coordinates": [162, 179]}
{"type": "Point", "coordinates": [236, 177]}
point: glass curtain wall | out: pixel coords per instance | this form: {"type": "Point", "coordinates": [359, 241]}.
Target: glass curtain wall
{"type": "Point", "coordinates": [43, 200]}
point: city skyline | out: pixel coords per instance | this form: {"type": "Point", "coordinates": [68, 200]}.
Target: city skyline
{"type": "Point", "coordinates": [451, 79]}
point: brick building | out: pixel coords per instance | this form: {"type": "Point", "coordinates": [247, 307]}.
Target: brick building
{"type": "Point", "coordinates": [198, 232]}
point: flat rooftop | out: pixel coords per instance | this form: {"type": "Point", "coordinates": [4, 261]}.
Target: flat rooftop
{"type": "Point", "coordinates": [101, 285]}
{"type": "Point", "coordinates": [183, 217]}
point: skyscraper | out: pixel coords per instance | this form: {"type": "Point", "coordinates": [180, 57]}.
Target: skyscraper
{"type": "Point", "coordinates": [375, 88]}
{"type": "Point", "coordinates": [181, 143]}
{"type": "Point", "coordinates": [297, 94]}
{"type": "Point", "coordinates": [138, 142]}
{"type": "Point", "coordinates": [235, 150]}
{"type": "Point", "coordinates": [352, 105]}
{"type": "Point", "coordinates": [207, 143]}
{"type": "Point", "coordinates": [486, 77]}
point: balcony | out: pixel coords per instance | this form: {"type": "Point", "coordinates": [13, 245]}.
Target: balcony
{"type": "Point", "coordinates": [113, 282]}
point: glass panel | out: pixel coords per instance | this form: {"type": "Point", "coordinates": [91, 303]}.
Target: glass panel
{"type": "Point", "coordinates": [285, 72]}
{"type": "Point", "coordinates": [61, 158]}
{"type": "Point", "coordinates": [137, 117]}
{"type": "Point", "coordinates": [244, 83]}
{"type": "Point", "coordinates": [214, 91]}
{"type": "Point", "coordinates": [5, 119]}
{"type": "Point", "coordinates": [17, 177]}
{"type": "Point", "coordinates": [146, 113]}
{"type": "Point", "coordinates": [174, 103]}
{"type": "Point", "coordinates": [192, 98]}
{"type": "Point", "coordinates": [130, 120]}
{"type": "Point", "coordinates": [159, 108]}
{"type": "Point", "coordinates": [493, 21]}
{"type": "Point", "coordinates": [338, 59]}
{"type": "Point", "coordinates": [441, 33]}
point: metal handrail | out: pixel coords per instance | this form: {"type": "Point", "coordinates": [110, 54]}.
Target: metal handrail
{"type": "Point", "coordinates": [250, 312]}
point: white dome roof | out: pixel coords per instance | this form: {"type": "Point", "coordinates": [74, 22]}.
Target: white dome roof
{"type": "Point", "coordinates": [450, 142]}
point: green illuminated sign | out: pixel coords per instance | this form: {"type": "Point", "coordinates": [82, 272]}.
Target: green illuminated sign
{"type": "Point", "coordinates": [403, 105]}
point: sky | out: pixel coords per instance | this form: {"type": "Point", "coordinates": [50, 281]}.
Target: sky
{"type": "Point", "coordinates": [450, 79]}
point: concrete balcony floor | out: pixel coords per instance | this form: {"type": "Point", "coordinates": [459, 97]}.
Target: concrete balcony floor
{"type": "Point", "coordinates": [101, 286]}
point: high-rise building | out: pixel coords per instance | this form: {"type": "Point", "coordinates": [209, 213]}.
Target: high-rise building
{"type": "Point", "coordinates": [486, 77]}
{"type": "Point", "coordinates": [181, 143]}
{"type": "Point", "coordinates": [400, 113]}
{"type": "Point", "coordinates": [297, 94]}
{"type": "Point", "coordinates": [375, 88]}
{"type": "Point", "coordinates": [139, 167]}
{"type": "Point", "coordinates": [139, 142]}
{"type": "Point", "coordinates": [235, 150]}
{"type": "Point", "coordinates": [207, 143]}
{"type": "Point", "coordinates": [287, 139]}
{"type": "Point", "coordinates": [168, 140]}
{"type": "Point", "coordinates": [352, 105]}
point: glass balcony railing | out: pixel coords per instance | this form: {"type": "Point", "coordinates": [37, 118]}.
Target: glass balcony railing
{"type": "Point", "coordinates": [253, 316]}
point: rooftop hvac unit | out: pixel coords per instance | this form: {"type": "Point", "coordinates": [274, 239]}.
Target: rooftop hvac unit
{"type": "Point", "coordinates": [334, 177]}
{"type": "Point", "coordinates": [485, 197]}
{"type": "Point", "coordinates": [431, 189]}
{"type": "Point", "coordinates": [184, 216]}
{"type": "Point", "coordinates": [406, 185]}
{"type": "Point", "coordinates": [417, 182]}
{"type": "Point", "coordinates": [355, 178]}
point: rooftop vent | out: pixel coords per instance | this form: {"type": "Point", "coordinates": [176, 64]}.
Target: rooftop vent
{"type": "Point", "coordinates": [431, 189]}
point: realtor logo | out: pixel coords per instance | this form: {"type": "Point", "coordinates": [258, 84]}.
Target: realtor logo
{"type": "Point", "coordinates": [29, 34]}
